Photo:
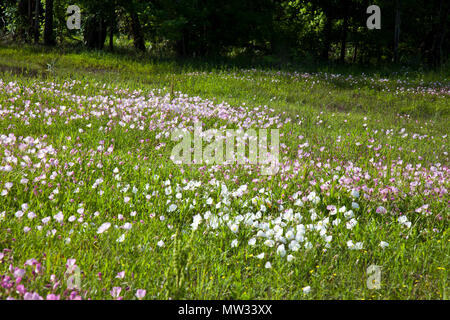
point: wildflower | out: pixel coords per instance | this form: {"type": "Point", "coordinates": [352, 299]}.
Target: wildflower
{"type": "Point", "coordinates": [59, 217]}
{"type": "Point", "coordinates": [32, 296]}
{"type": "Point", "coordinates": [121, 238]}
{"type": "Point", "coordinates": [350, 224]}
{"type": "Point", "coordinates": [281, 250]}
{"type": "Point", "coordinates": [140, 293]}
{"type": "Point", "coordinates": [268, 265]}
{"type": "Point", "coordinates": [269, 243]}
{"type": "Point", "coordinates": [19, 214]}
{"type": "Point", "coordinates": [306, 290]}
{"type": "Point", "coordinates": [349, 214]}
{"type": "Point", "coordinates": [20, 289]}
{"type": "Point", "coordinates": [197, 219]}
{"type": "Point", "coordinates": [383, 244]}
{"type": "Point", "coordinates": [115, 292]}
{"type": "Point", "coordinates": [234, 243]}
{"type": "Point", "coordinates": [172, 208]}
{"type": "Point", "coordinates": [70, 265]}
{"type": "Point", "coordinates": [381, 210]}
{"type": "Point", "coordinates": [355, 193]}
{"type": "Point", "coordinates": [404, 221]}
{"type": "Point", "coordinates": [127, 226]}
{"type": "Point", "coordinates": [105, 226]}
{"type": "Point", "coordinates": [19, 273]}
{"type": "Point", "coordinates": [294, 245]}
{"type": "Point", "coordinates": [354, 246]}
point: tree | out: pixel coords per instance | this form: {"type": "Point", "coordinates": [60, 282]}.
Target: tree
{"type": "Point", "coordinates": [36, 21]}
{"type": "Point", "coordinates": [49, 38]}
{"type": "Point", "coordinates": [441, 30]}
{"type": "Point", "coordinates": [138, 37]}
{"type": "Point", "coordinates": [346, 13]}
{"type": "Point", "coordinates": [397, 30]}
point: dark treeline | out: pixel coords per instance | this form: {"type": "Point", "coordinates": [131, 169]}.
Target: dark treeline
{"type": "Point", "coordinates": [412, 31]}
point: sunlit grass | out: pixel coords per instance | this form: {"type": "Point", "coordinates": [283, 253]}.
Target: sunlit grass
{"type": "Point", "coordinates": [332, 128]}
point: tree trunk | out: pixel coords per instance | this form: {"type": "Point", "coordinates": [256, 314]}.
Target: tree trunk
{"type": "Point", "coordinates": [111, 36]}
{"type": "Point", "coordinates": [30, 20]}
{"type": "Point", "coordinates": [355, 53]}
{"type": "Point", "coordinates": [137, 31]}
{"type": "Point", "coordinates": [327, 38]}
{"type": "Point", "coordinates": [112, 21]}
{"type": "Point", "coordinates": [49, 39]}
{"type": "Point", "coordinates": [36, 22]}
{"type": "Point", "coordinates": [438, 41]}
{"type": "Point", "coordinates": [2, 21]}
{"type": "Point", "coordinates": [397, 30]}
{"type": "Point", "coordinates": [95, 32]}
{"type": "Point", "coordinates": [344, 36]}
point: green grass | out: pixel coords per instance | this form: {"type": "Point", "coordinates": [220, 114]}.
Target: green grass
{"type": "Point", "coordinates": [335, 113]}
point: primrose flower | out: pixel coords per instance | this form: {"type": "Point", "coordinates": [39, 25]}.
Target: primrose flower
{"type": "Point", "coordinates": [140, 293]}
{"type": "Point", "coordinates": [172, 208]}
{"type": "Point", "coordinates": [383, 244]}
{"type": "Point", "coordinates": [32, 296]}
{"type": "Point", "coordinates": [355, 193]}
{"type": "Point", "coordinates": [121, 238]}
{"type": "Point", "coordinates": [281, 250]}
{"type": "Point", "coordinates": [115, 292]}
{"type": "Point", "coordinates": [381, 210]}
{"type": "Point", "coordinates": [234, 228]}
{"type": "Point", "coordinates": [404, 221]}
{"type": "Point", "coordinates": [59, 217]}
{"type": "Point", "coordinates": [105, 226]}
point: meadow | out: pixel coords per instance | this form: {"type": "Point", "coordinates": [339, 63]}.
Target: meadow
{"type": "Point", "coordinates": [92, 207]}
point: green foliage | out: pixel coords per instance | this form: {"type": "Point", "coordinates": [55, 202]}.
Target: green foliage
{"type": "Point", "coordinates": [289, 30]}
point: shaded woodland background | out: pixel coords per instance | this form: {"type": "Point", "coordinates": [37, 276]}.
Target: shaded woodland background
{"type": "Point", "coordinates": [413, 32]}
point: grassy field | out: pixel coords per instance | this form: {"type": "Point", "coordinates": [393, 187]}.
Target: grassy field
{"type": "Point", "coordinates": [89, 192]}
